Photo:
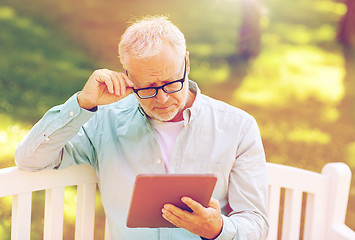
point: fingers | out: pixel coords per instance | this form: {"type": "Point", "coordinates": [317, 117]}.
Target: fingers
{"type": "Point", "coordinates": [178, 212]}
{"type": "Point", "coordinates": [117, 83]}
{"type": "Point", "coordinates": [104, 87]}
{"type": "Point", "coordinates": [120, 86]}
{"type": "Point", "coordinates": [206, 222]}
{"type": "Point", "coordinates": [106, 79]}
{"type": "Point", "coordinates": [214, 203]}
{"type": "Point", "coordinates": [195, 206]}
{"type": "Point", "coordinates": [172, 215]}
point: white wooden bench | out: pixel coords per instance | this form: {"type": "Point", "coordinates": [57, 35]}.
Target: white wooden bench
{"type": "Point", "coordinates": [300, 201]}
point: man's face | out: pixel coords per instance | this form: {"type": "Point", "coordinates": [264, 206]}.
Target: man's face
{"type": "Point", "coordinates": [155, 72]}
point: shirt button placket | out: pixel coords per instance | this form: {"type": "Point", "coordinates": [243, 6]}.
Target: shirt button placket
{"type": "Point", "coordinates": [160, 165]}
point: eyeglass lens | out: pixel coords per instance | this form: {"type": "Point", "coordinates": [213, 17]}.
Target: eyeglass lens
{"type": "Point", "coordinates": [168, 88]}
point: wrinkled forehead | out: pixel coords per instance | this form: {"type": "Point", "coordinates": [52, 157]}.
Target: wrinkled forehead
{"type": "Point", "coordinates": [155, 71]}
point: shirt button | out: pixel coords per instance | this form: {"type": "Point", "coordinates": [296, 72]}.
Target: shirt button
{"type": "Point", "coordinates": [159, 161]}
{"type": "Point", "coordinates": [71, 114]}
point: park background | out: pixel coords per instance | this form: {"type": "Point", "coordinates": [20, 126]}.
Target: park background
{"type": "Point", "coordinates": [290, 64]}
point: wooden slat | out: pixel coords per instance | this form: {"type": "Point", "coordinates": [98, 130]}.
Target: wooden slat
{"type": "Point", "coordinates": [273, 211]}
{"type": "Point", "coordinates": [19, 181]}
{"type": "Point", "coordinates": [107, 231]}
{"type": "Point", "coordinates": [85, 212]}
{"type": "Point", "coordinates": [316, 216]}
{"type": "Point", "coordinates": [292, 214]}
{"type": "Point", "coordinates": [338, 195]}
{"type": "Point", "coordinates": [291, 177]}
{"type": "Point", "coordinates": [327, 195]}
{"type": "Point", "coordinates": [54, 211]}
{"type": "Point", "coordinates": [21, 216]}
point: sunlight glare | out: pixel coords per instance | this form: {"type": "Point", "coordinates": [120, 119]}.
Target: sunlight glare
{"type": "Point", "coordinates": [295, 73]}
{"type": "Point", "coordinates": [70, 204]}
{"type": "Point", "coordinates": [284, 131]}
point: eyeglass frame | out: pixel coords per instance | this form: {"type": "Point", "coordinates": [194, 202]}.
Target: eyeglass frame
{"type": "Point", "coordinates": [182, 80]}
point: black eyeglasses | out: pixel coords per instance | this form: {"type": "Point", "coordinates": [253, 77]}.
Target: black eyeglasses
{"type": "Point", "coordinates": [171, 87]}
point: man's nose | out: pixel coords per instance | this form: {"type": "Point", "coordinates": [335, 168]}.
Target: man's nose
{"type": "Point", "coordinates": [162, 96]}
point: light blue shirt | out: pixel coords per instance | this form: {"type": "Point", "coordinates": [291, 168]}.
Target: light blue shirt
{"type": "Point", "coordinates": [119, 141]}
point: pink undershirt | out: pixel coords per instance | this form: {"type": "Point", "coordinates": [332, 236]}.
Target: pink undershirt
{"type": "Point", "coordinates": [167, 133]}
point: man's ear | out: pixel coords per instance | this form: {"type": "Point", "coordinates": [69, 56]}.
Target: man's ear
{"type": "Point", "coordinates": [187, 62]}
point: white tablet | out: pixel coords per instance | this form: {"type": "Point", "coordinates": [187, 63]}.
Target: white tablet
{"type": "Point", "coordinates": [152, 191]}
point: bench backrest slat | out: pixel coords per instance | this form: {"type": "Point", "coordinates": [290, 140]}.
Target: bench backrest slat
{"type": "Point", "coordinates": [300, 190]}
{"type": "Point", "coordinates": [85, 213]}
{"type": "Point", "coordinates": [300, 201]}
{"type": "Point", "coordinates": [21, 216]}
{"type": "Point", "coordinates": [54, 214]}
{"type": "Point", "coordinates": [292, 214]}
{"type": "Point", "coordinates": [274, 207]}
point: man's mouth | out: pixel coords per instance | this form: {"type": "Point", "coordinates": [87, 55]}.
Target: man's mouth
{"type": "Point", "coordinates": [163, 107]}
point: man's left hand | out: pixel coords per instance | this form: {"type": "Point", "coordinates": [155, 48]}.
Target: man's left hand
{"type": "Point", "coordinates": [205, 222]}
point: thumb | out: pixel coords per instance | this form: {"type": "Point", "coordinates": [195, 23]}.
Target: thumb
{"type": "Point", "coordinates": [128, 81]}
{"type": "Point", "coordinates": [127, 92]}
{"type": "Point", "coordinates": [214, 203]}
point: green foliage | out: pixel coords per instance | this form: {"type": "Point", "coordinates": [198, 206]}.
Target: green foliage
{"type": "Point", "coordinates": [287, 72]}
{"type": "Point", "coordinates": [38, 68]}
{"type": "Point", "coordinates": [312, 14]}
{"type": "Point", "coordinates": [11, 133]}
{"type": "Point", "coordinates": [5, 217]}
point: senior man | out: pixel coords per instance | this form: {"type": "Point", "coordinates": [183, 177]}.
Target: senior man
{"type": "Point", "coordinates": [166, 126]}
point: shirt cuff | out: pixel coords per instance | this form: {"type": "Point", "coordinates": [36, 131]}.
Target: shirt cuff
{"type": "Point", "coordinates": [73, 115]}
{"type": "Point", "coordinates": [228, 230]}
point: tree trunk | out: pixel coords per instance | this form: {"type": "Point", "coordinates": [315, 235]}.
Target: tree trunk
{"type": "Point", "coordinates": [250, 31]}
{"type": "Point", "coordinates": [346, 31]}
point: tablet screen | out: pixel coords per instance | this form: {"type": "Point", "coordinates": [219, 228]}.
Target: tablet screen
{"type": "Point", "coordinates": [152, 191]}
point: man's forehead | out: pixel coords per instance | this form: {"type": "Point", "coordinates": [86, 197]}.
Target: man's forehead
{"type": "Point", "coordinates": [153, 80]}
{"type": "Point", "coordinates": [154, 73]}
{"type": "Point", "coordinates": [167, 56]}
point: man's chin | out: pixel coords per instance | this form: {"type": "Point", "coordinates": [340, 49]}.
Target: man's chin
{"type": "Point", "coordinates": [163, 117]}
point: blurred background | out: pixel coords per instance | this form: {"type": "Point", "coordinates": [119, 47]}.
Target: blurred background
{"type": "Point", "coordinates": [290, 64]}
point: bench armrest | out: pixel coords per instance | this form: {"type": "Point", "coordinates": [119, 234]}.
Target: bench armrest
{"type": "Point", "coordinates": [342, 232]}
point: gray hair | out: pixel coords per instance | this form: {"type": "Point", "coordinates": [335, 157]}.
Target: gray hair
{"type": "Point", "coordinates": [145, 37]}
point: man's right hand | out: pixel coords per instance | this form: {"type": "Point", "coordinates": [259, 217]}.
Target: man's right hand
{"type": "Point", "coordinates": [104, 87]}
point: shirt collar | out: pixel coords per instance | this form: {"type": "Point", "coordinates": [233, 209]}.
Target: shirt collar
{"type": "Point", "coordinates": [190, 113]}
